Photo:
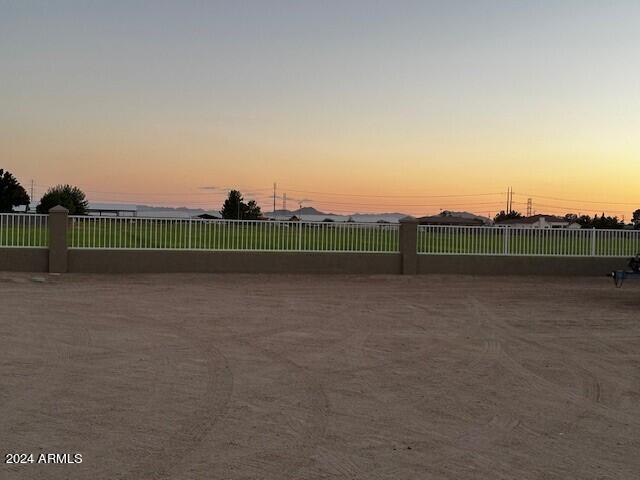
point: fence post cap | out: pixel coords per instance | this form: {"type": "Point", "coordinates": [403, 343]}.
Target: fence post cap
{"type": "Point", "coordinates": [58, 209]}
{"type": "Point", "coordinates": [408, 219]}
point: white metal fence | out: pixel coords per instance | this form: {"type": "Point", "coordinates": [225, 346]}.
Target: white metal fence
{"type": "Point", "coordinates": [196, 234]}
{"type": "Point", "coordinates": [458, 240]}
{"type": "Point", "coordinates": [31, 230]}
{"type": "Point", "coordinates": [23, 230]}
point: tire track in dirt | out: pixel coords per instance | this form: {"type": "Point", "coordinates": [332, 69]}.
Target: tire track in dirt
{"type": "Point", "coordinates": [355, 349]}
{"type": "Point", "coordinates": [343, 465]}
{"type": "Point", "coordinates": [176, 450]}
{"type": "Point", "coordinates": [158, 359]}
{"type": "Point", "coordinates": [319, 408]}
{"type": "Point", "coordinates": [314, 429]}
{"type": "Point", "coordinates": [618, 390]}
{"type": "Point", "coordinates": [62, 363]}
{"type": "Point", "coordinates": [47, 368]}
{"type": "Point", "coordinates": [52, 381]}
{"type": "Point", "coordinates": [470, 444]}
{"type": "Point", "coordinates": [502, 424]}
{"type": "Point", "coordinates": [586, 398]}
{"type": "Point", "coordinates": [267, 332]}
{"type": "Point", "coordinates": [591, 384]}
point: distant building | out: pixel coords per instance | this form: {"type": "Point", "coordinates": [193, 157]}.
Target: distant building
{"type": "Point", "coordinates": [538, 221]}
{"type": "Point", "coordinates": [112, 210]}
{"type": "Point", "coordinates": [207, 216]}
{"type": "Point", "coordinates": [450, 218]}
{"type": "Point", "coordinates": [23, 208]}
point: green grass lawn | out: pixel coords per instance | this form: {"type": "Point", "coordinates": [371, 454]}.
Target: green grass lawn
{"type": "Point", "coordinates": [221, 236]}
{"type": "Point", "coordinates": [33, 236]}
{"type": "Point", "coordinates": [530, 242]}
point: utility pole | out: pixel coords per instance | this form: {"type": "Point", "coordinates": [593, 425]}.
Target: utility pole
{"type": "Point", "coordinates": [274, 197]}
{"type": "Point", "coordinates": [508, 210]}
{"type": "Point", "coordinates": [510, 199]}
{"type": "Point", "coordinates": [31, 197]}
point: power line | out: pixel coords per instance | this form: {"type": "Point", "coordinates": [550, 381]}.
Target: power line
{"type": "Point", "coordinates": [572, 209]}
{"type": "Point", "coordinates": [330, 202]}
{"type": "Point", "coordinates": [577, 201]}
{"type": "Point", "coordinates": [567, 209]}
{"type": "Point", "coordinates": [394, 196]}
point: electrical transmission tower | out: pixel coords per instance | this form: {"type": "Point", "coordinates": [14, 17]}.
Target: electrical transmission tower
{"type": "Point", "coordinates": [529, 207]}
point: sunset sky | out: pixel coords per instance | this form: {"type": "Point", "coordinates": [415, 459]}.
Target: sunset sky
{"type": "Point", "coordinates": [349, 106]}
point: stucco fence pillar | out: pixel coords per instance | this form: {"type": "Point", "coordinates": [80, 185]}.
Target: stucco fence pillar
{"type": "Point", "coordinates": [409, 245]}
{"type": "Point", "coordinates": [58, 248]}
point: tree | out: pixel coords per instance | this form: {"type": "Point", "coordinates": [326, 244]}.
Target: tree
{"type": "Point", "coordinates": [72, 198]}
{"type": "Point", "coordinates": [636, 219]}
{"type": "Point", "coordinates": [253, 211]}
{"type": "Point", "coordinates": [585, 221]}
{"type": "Point", "coordinates": [601, 221]}
{"type": "Point", "coordinates": [606, 222]}
{"type": "Point", "coordinates": [12, 194]}
{"type": "Point", "coordinates": [506, 216]}
{"type": "Point", "coordinates": [234, 208]}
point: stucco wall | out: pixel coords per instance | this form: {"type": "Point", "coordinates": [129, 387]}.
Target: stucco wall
{"type": "Point", "coordinates": [24, 259]}
{"type": "Point", "coordinates": [156, 261]}
{"type": "Point", "coordinates": [516, 265]}
{"type": "Point", "coordinates": [161, 261]}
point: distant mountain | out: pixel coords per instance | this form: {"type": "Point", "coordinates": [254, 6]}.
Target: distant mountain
{"type": "Point", "coordinates": [308, 211]}
{"type": "Point", "coordinates": [393, 217]}
{"type": "Point", "coordinates": [298, 212]}
{"type": "Point", "coordinates": [149, 208]}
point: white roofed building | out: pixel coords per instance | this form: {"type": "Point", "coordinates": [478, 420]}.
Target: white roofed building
{"type": "Point", "coordinates": [538, 221]}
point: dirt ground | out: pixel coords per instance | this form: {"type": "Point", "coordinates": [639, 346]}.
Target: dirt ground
{"type": "Point", "coordinates": [314, 377]}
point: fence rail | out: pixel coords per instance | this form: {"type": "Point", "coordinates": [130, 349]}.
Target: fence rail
{"type": "Point", "coordinates": [23, 230]}
{"type": "Point", "coordinates": [455, 240]}
{"type": "Point", "coordinates": [197, 234]}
